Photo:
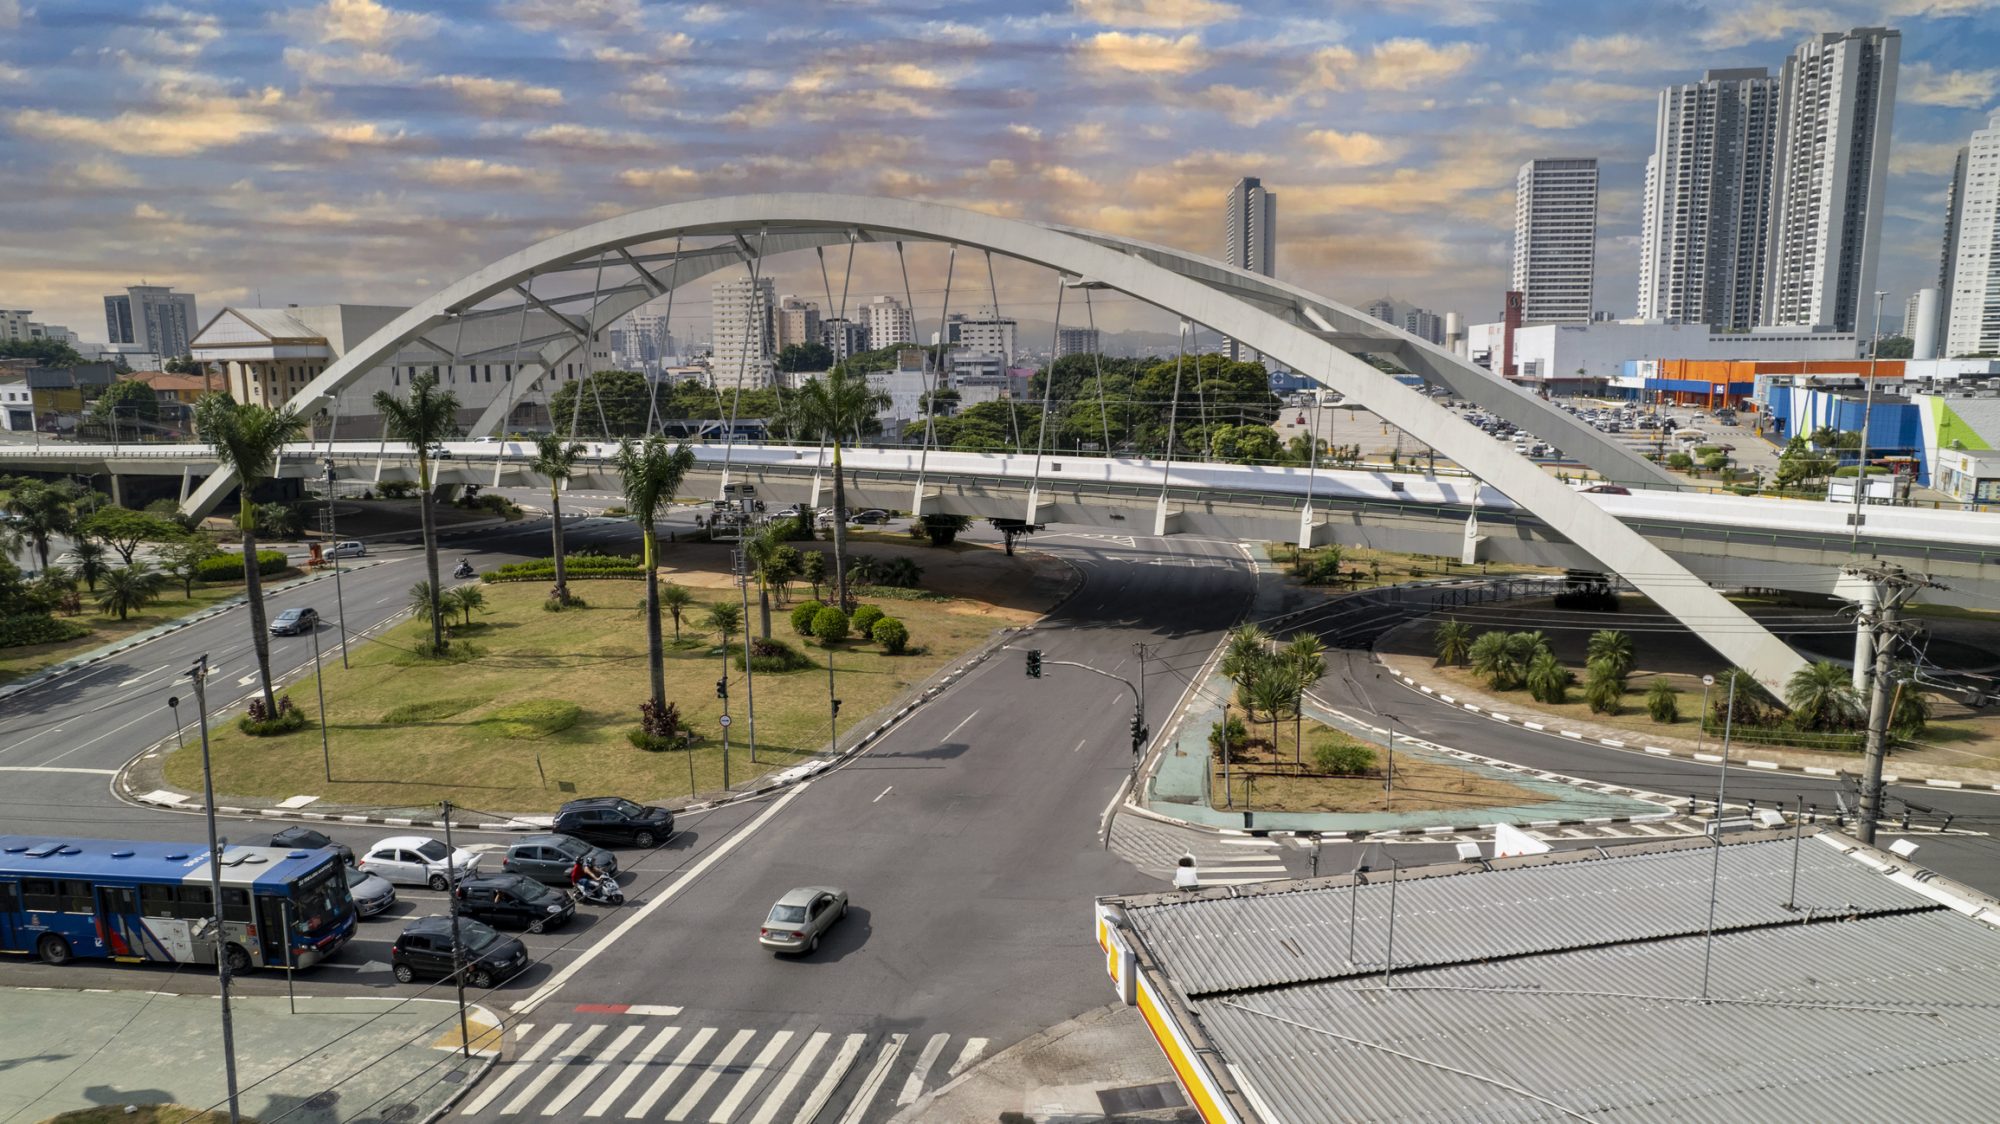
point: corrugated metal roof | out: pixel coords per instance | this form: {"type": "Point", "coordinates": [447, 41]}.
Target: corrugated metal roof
{"type": "Point", "coordinates": [1293, 937]}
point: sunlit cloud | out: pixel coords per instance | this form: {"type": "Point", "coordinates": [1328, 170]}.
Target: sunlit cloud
{"type": "Point", "coordinates": [1154, 13]}
{"type": "Point", "coordinates": [1145, 53]}
{"type": "Point", "coordinates": [364, 23]}
{"type": "Point", "coordinates": [496, 93]}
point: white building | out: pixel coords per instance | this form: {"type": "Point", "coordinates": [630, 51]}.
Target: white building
{"type": "Point", "coordinates": [1974, 324]}
{"type": "Point", "coordinates": [156, 319]}
{"type": "Point", "coordinates": [1555, 239]}
{"type": "Point", "coordinates": [981, 332]}
{"type": "Point", "coordinates": [1078, 341]}
{"type": "Point", "coordinates": [906, 384]}
{"type": "Point", "coordinates": [889, 323]}
{"type": "Point", "coordinates": [18, 324]}
{"type": "Point", "coordinates": [17, 404]}
{"type": "Point", "coordinates": [1250, 235]}
{"type": "Point", "coordinates": [1601, 350]}
{"type": "Point", "coordinates": [744, 342]}
{"type": "Point", "coordinates": [1707, 206]}
{"type": "Point", "coordinates": [1954, 199]}
{"type": "Point", "coordinates": [1838, 99]}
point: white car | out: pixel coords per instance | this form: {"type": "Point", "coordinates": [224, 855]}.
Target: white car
{"type": "Point", "coordinates": [417, 860]}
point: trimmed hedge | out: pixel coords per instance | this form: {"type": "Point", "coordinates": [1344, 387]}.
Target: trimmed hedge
{"type": "Point", "coordinates": [577, 566]}
{"type": "Point", "coordinates": [22, 629]}
{"type": "Point", "coordinates": [773, 656]}
{"type": "Point", "coordinates": [892, 634]}
{"type": "Point", "coordinates": [228, 565]}
{"type": "Point", "coordinates": [864, 619]}
{"type": "Point", "coordinates": [803, 614]}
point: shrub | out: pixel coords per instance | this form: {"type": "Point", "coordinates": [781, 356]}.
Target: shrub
{"type": "Point", "coordinates": [37, 628]}
{"type": "Point", "coordinates": [1663, 701]}
{"type": "Point", "coordinates": [942, 529]}
{"type": "Point", "coordinates": [576, 566]}
{"type": "Point", "coordinates": [1231, 728]}
{"type": "Point", "coordinates": [552, 605]}
{"type": "Point", "coordinates": [228, 565]}
{"type": "Point", "coordinates": [830, 625]}
{"type": "Point", "coordinates": [902, 573]}
{"type": "Point", "coordinates": [660, 728]}
{"type": "Point", "coordinates": [1343, 758]}
{"type": "Point", "coordinates": [396, 489]}
{"type": "Point", "coordinates": [865, 618]}
{"type": "Point", "coordinates": [773, 656]}
{"type": "Point", "coordinates": [259, 722]}
{"type": "Point", "coordinates": [803, 614]}
{"type": "Point", "coordinates": [892, 634]}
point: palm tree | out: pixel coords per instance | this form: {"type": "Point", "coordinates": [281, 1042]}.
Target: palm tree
{"type": "Point", "coordinates": [425, 419]}
{"type": "Point", "coordinates": [675, 599]}
{"type": "Point", "coordinates": [1614, 648]}
{"type": "Point", "coordinates": [425, 601]}
{"type": "Point", "coordinates": [42, 511]}
{"type": "Point", "coordinates": [1306, 657]}
{"type": "Point", "coordinates": [723, 619]}
{"type": "Point", "coordinates": [652, 473]}
{"type": "Point", "coordinates": [1493, 658]}
{"type": "Point", "coordinates": [129, 589]}
{"type": "Point", "coordinates": [90, 564]}
{"type": "Point", "coordinates": [1453, 640]}
{"type": "Point", "coordinates": [1663, 701]}
{"type": "Point", "coordinates": [465, 599]}
{"type": "Point", "coordinates": [1547, 679]}
{"type": "Point", "coordinates": [1822, 697]}
{"type": "Point", "coordinates": [1909, 709]}
{"type": "Point", "coordinates": [830, 408]}
{"type": "Point", "coordinates": [1603, 685]}
{"type": "Point", "coordinates": [1248, 648]}
{"type": "Point", "coordinates": [555, 460]}
{"type": "Point", "coordinates": [761, 549]}
{"type": "Point", "coordinates": [247, 439]}
{"type": "Point", "coordinates": [1275, 687]}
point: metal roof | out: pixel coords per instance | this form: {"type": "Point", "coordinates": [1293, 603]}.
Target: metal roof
{"type": "Point", "coordinates": [1572, 989]}
{"type": "Point", "coordinates": [30, 856]}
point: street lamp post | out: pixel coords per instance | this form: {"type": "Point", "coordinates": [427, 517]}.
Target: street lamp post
{"type": "Point", "coordinates": [198, 675]}
{"type": "Point", "coordinates": [1867, 410]}
{"type": "Point", "coordinates": [339, 602]}
{"type": "Point", "coordinates": [319, 681]}
{"type": "Point", "coordinates": [1701, 720]}
{"type": "Point", "coordinates": [742, 568]}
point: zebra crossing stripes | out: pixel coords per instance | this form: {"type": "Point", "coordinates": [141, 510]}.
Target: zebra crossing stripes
{"type": "Point", "coordinates": [801, 1062]}
{"type": "Point", "coordinates": [752, 1074]}
{"type": "Point", "coordinates": [857, 1109]}
{"type": "Point", "coordinates": [591, 1069]}
{"type": "Point", "coordinates": [506, 1077]}
{"type": "Point", "coordinates": [639, 1063]}
{"type": "Point", "coordinates": [671, 1074]}
{"type": "Point", "coordinates": [553, 1069]}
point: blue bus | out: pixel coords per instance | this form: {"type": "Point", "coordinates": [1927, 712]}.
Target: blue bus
{"type": "Point", "coordinates": [139, 902]}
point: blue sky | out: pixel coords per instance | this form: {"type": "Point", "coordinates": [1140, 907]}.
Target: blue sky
{"type": "Point", "coordinates": [363, 151]}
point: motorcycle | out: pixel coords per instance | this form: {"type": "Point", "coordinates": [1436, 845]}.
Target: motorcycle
{"type": "Point", "coordinates": [597, 891]}
{"type": "Point", "coordinates": [464, 571]}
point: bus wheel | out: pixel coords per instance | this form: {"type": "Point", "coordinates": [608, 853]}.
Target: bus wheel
{"type": "Point", "coordinates": [239, 960]}
{"type": "Point", "coordinates": [53, 949]}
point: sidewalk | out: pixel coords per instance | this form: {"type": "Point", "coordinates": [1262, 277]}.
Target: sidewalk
{"type": "Point", "coordinates": [336, 1059]}
{"type": "Point", "coordinates": [1100, 1066]}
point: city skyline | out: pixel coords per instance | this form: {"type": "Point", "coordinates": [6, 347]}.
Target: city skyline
{"type": "Point", "coordinates": [259, 156]}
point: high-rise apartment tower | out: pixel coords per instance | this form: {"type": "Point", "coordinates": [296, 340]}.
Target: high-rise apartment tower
{"type": "Point", "coordinates": [1555, 239]}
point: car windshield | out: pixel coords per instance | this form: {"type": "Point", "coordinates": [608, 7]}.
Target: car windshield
{"type": "Point", "coordinates": [532, 891]}
{"type": "Point", "coordinates": [432, 850]}
{"type": "Point", "coordinates": [291, 614]}
{"type": "Point", "coordinates": [575, 848]}
{"type": "Point", "coordinates": [477, 936]}
{"type": "Point", "coordinates": [629, 810]}
{"type": "Point", "coordinates": [788, 914]}
{"type": "Point", "coordinates": [356, 876]}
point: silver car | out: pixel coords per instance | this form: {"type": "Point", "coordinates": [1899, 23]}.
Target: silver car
{"type": "Point", "coordinates": [801, 917]}
{"type": "Point", "coordinates": [372, 892]}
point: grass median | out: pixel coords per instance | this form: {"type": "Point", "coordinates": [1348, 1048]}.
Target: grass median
{"type": "Point", "coordinates": [27, 659]}
{"type": "Point", "coordinates": [536, 708]}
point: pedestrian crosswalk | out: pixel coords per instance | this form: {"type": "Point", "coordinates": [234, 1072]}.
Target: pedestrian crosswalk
{"type": "Point", "coordinates": [1155, 848]}
{"type": "Point", "coordinates": [656, 1070]}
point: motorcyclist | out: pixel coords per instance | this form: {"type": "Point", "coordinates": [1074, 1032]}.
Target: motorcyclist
{"type": "Point", "coordinates": [585, 876]}
{"type": "Point", "coordinates": [464, 569]}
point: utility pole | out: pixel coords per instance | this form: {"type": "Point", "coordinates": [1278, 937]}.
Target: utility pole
{"type": "Point", "coordinates": [457, 946]}
{"type": "Point", "coordinates": [339, 602]}
{"type": "Point", "coordinates": [1893, 586]}
{"type": "Point", "coordinates": [1867, 410]}
{"type": "Point", "coordinates": [199, 677]}
{"type": "Point", "coordinates": [742, 570]}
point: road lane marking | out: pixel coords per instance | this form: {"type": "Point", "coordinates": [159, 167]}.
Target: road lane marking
{"type": "Point", "coordinates": [831, 1079]}
{"type": "Point", "coordinates": [795, 1071]}
{"type": "Point", "coordinates": [857, 1110]}
{"type": "Point", "coordinates": [671, 1074]}
{"type": "Point", "coordinates": [550, 1071]}
{"type": "Point", "coordinates": [960, 726]}
{"type": "Point", "coordinates": [881, 794]}
{"type": "Point", "coordinates": [913, 1086]}
{"type": "Point", "coordinates": [1080, 745]}
{"type": "Point", "coordinates": [640, 1062]}
{"type": "Point", "coordinates": [145, 675]}
{"type": "Point", "coordinates": [638, 917]}
{"type": "Point", "coordinates": [752, 1073]}
{"type": "Point", "coordinates": [974, 1047]}
{"type": "Point", "coordinates": [595, 1066]}
{"type": "Point", "coordinates": [710, 1073]}
{"type": "Point", "coordinates": [506, 1077]}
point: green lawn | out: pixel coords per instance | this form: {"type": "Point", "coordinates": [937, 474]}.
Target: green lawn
{"type": "Point", "coordinates": [540, 712]}
{"type": "Point", "coordinates": [18, 663]}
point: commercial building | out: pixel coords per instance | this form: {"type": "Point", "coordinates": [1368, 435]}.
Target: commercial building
{"type": "Point", "coordinates": [1838, 99]}
{"type": "Point", "coordinates": [1078, 341]}
{"type": "Point", "coordinates": [59, 397]}
{"type": "Point", "coordinates": [1769, 979]}
{"type": "Point", "coordinates": [1555, 239]}
{"type": "Point", "coordinates": [1559, 357]}
{"type": "Point", "coordinates": [889, 323]}
{"type": "Point", "coordinates": [1974, 324]}
{"type": "Point", "coordinates": [744, 343]}
{"type": "Point", "coordinates": [18, 324]}
{"type": "Point", "coordinates": [844, 337]}
{"type": "Point", "coordinates": [905, 384]}
{"type": "Point", "coordinates": [796, 322]}
{"type": "Point", "coordinates": [1250, 234]}
{"type": "Point", "coordinates": [176, 394]}
{"type": "Point", "coordinates": [153, 318]}
{"type": "Point", "coordinates": [983, 332]}
{"type": "Point", "coordinates": [1707, 204]}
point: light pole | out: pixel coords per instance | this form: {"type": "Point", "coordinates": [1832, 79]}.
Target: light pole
{"type": "Point", "coordinates": [1701, 720]}
{"type": "Point", "coordinates": [1867, 410]}
{"type": "Point", "coordinates": [457, 947]}
{"type": "Point", "coordinates": [339, 603]}
{"type": "Point", "coordinates": [722, 692]}
{"type": "Point", "coordinates": [749, 672]}
{"type": "Point", "coordinates": [319, 681]}
{"type": "Point", "coordinates": [198, 675]}
{"type": "Point", "coordinates": [832, 707]}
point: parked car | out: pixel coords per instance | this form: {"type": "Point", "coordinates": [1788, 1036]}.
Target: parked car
{"type": "Point", "coordinates": [372, 893]}
{"type": "Point", "coordinates": [548, 858]}
{"type": "Point", "coordinates": [351, 548]}
{"type": "Point", "coordinates": [440, 453]}
{"type": "Point", "coordinates": [872, 515]}
{"type": "Point", "coordinates": [291, 622]}
{"type": "Point", "coordinates": [417, 860]}
{"type": "Point", "coordinates": [513, 900]}
{"type": "Point", "coordinates": [308, 839]}
{"type": "Point", "coordinates": [486, 957]}
{"type": "Point", "coordinates": [801, 917]}
{"type": "Point", "coordinates": [614, 820]}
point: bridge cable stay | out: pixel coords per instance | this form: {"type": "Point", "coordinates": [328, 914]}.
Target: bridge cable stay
{"type": "Point", "coordinates": [1201, 399]}
{"type": "Point", "coordinates": [591, 328]}
{"type": "Point", "coordinates": [576, 405]}
{"type": "Point", "coordinates": [1097, 359]}
{"type": "Point", "coordinates": [513, 390]}
{"type": "Point", "coordinates": [756, 267]}
{"type": "Point", "coordinates": [653, 384]}
{"type": "Point", "coordinates": [1312, 462]}
{"type": "Point", "coordinates": [1048, 390]}
{"type": "Point", "coordinates": [930, 408]}
{"type": "Point", "coordinates": [846, 279]}
{"type": "Point", "coordinates": [1006, 357]}
{"type": "Point", "coordinates": [1173, 413]}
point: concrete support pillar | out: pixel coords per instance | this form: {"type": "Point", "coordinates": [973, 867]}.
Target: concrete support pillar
{"type": "Point", "coordinates": [1306, 525]}
{"type": "Point", "coordinates": [117, 490]}
{"type": "Point", "coordinates": [818, 483]}
{"type": "Point", "coordinates": [1468, 551]}
{"type": "Point", "coordinates": [187, 482]}
{"type": "Point", "coordinates": [917, 501]}
{"type": "Point", "coordinates": [1034, 503]}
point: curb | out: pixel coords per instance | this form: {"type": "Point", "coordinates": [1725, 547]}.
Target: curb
{"type": "Point", "coordinates": [1659, 751]}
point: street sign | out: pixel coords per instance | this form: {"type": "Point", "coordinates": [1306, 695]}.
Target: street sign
{"type": "Point", "coordinates": [724, 720]}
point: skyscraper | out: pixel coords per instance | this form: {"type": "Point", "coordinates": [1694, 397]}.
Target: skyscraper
{"type": "Point", "coordinates": [1707, 205]}
{"type": "Point", "coordinates": [152, 317]}
{"type": "Point", "coordinates": [796, 322]}
{"type": "Point", "coordinates": [1838, 96]}
{"type": "Point", "coordinates": [1555, 239]}
{"type": "Point", "coordinates": [1077, 341]}
{"type": "Point", "coordinates": [1251, 238]}
{"type": "Point", "coordinates": [889, 323]}
{"type": "Point", "coordinates": [1974, 326]}
{"type": "Point", "coordinates": [744, 343]}
{"type": "Point", "coordinates": [1954, 210]}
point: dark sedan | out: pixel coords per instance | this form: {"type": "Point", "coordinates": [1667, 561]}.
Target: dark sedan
{"type": "Point", "coordinates": [548, 858]}
{"type": "Point", "coordinates": [615, 821]}
{"type": "Point", "coordinates": [291, 622]}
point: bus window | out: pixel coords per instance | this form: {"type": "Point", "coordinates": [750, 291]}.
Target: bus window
{"type": "Point", "coordinates": [156, 901]}
{"type": "Point", "coordinates": [10, 898]}
{"type": "Point", "coordinates": [193, 903]}
{"type": "Point", "coordinates": [38, 895]}
{"type": "Point", "coordinates": [76, 897]}
{"type": "Point", "coordinates": [235, 904]}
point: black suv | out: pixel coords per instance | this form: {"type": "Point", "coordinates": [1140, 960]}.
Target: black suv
{"type": "Point", "coordinates": [425, 949]}
{"type": "Point", "coordinates": [612, 819]}
{"type": "Point", "coordinates": [309, 839]}
{"type": "Point", "coordinates": [514, 900]}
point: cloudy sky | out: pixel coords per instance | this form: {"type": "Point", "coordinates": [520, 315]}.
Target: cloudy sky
{"type": "Point", "coordinates": [354, 150]}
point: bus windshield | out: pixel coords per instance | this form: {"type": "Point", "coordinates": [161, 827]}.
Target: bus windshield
{"type": "Point", "coordinates": [320, 899]}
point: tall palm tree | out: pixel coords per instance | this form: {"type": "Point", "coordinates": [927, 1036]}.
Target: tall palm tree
{"type": "Point", "coordinates": [90, 564]}
{"type": "Point", "coordinates": [1614, 648]}
{"type": "Point", "coordinates": [652, 473]}
{"type": "Point", "coordinates": [247, 438]}
{"type": "Point", "coordinates": [830, 408]}
{"type": "Point", "coordinates": [426, 418]}
{"type": "Point", "coordinates": [1822, 697]}
{"type": "Point", "coordinates": [1276, 687]}
{"type": "Point", "coordinates": [1547, 679]}
{"type": "Point", "coordinates": [675, 599]}
{"type": "Point", "coordinates": [1247, 649]}
{"type": "Point", "coordinates": [1305, 656]}
{"type": "Point", "coordinates": [723, 619]}
{"type": "Point", "coordinates": [1452, 640]}
{"type": "Point", "coordinates": [1496, 660]}
{"type": "Point", "coordinates": [129, 589]}
{"type": "Point", "coordinates": [555, 459]}
{"type": "Point", "coordinates": [41, 511]}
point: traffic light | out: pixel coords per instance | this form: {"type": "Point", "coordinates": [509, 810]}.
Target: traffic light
{"type": "Point", "coordinates": [836, 708]}
{"type": "Point", "coordinates": [1138, 733]}
{"type": "Point", "coordinates": [1034, 663]}
{"type": "Point", "coordinates": [722, 688]}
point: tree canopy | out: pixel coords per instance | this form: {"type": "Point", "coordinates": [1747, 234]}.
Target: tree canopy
{"type": "Point", "coordinates": [49, 353]}
{"type": "Point", "coordinates": [805, 357]}
{"type": "Point", "coordinates": [124, 400]}
{"type": "Point", "coordinates": [628, 401]}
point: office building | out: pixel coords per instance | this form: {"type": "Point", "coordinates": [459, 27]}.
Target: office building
{"type": "Point", "coordinates": [1954, 199]}
{"type": "Point", "coordinates": [1555, 239]}
{"type": "Point", "coordinates": [744, 343]}
{"type": "Point", "coordinates": [1838, 95]}
{"type": "Point", "coordinates": [1078, 341]}
{"type": "Point", "coordinates": [1707, 204]}
{"type": "Point", "coordinates": [1424, 324]}
{"type": "Point", "coordinates": [889, 323]}
{"type": "Point", "coordinates": [844, 337]}
{"type": "Point", "coordinates": [15, 324]}
{"type": "Point", "coordinates": [1250, 238]}
{"type": "Point", "coordinates": [981, 332]}
{"type": "Point", "coordinates": [1974, 324]}
{"type": "Point", "coordinates": [153, 318]}
{"type": "Point", "coordinates": [1383, 309]}
{"type": "Point", "coordinates": [796, 322]}
{"type": "Point", "coordinates": [1602, 350]}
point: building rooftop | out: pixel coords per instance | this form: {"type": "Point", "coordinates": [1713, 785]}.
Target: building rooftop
{"type": "Point", "coordinates": [1570, 986]}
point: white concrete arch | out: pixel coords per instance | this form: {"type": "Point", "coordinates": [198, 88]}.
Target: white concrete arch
{"type": "Point", "coordinates": [1310, 334]}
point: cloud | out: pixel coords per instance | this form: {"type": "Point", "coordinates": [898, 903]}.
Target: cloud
{"type": "Point", "coordinates": [1393, 64]}
{"type": "Point", "coordinates": [574, 15]}
{"type": "Point", "coordinates": [458, 171]}
{"type": "Point", "coordinates": [364, 23]}
{"type": "Point", "coordinates": [182, 120]}
{"type": "Point", "coordinates": [98, 171]}
{"type": "Point", "coordinates": [1450, 13]}
{"type": "Point", "coordinates": [1026, 132]}
{"type": "Point", "coordinates": [838, 92]}
{"type": "Point", "coordinates": [10, 14]}
{"type": "Point", "coordinates": [146, 212]}
{"type": "Point", "coordinates": [1920, 83]}
{"type": "Point", "coordinates": [182, 34]}
{"type": "Point", "coordinates": [670, 178]}
{"type": "Point", "coordinates": [1244, 107]}
{"type": "Point", "coordinates": [1923, 158]}
{"type": "Point", "coordinates": [12, 75]}
{"type": "Point", "coordinates": [704, 13]}
{"type": "Point", "coordinates": [1143, 53]}
{"type": "Point", "coordinates": [589, 138]}
{"type": "Point", "coordinates": [1761, 21]}
{"type": "Point", "coordinates": [1353, 149]}
{"type": "Point", "coordinates": [364, 134]}
{"type": "Point", "coordinates": [352, 68]}
{"type": "Point", "coordinates": [907, 75]}
{"type": "Point", "coordinates": [947, 33]}
{"type": "Point", "coordinates": [1175, 14]}
{"type": "Point", "coordinates": [1621, 53]}
{"type": "Point", "coordinates": [496, 93]}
